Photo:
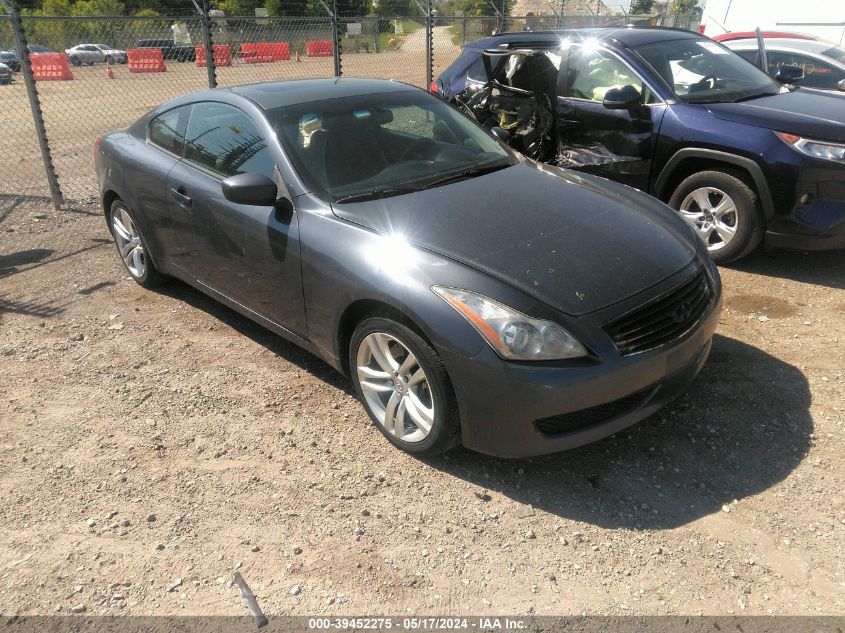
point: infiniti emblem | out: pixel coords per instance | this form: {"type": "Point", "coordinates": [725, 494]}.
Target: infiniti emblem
{"type": "Point", "coordinates": [682, 312]}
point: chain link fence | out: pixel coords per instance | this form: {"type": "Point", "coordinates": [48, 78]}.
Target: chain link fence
{"type": "Point", "coordinates": [21, 167]}
{"type": "Point", "coordinates": [271, 49]}
{"type": "Point", "coordinates": [114, 69]}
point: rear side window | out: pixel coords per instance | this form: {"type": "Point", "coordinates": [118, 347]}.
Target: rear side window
{"type": "Point", "coordinates": [224, 140]}
{"type": "Point", "coordinates": [165, 130]}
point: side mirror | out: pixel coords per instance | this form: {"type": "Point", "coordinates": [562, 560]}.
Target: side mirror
{"type": "Point", "coordinates": [251, 188]}
{"type": "Point", "coordinates": [789, 74]}
{"type": "Point", "coordinates": [501, 134]}
{"type": "Point", "coordinates": [841, 85]}
{"type": "Point", "coordinates": [623, 98]}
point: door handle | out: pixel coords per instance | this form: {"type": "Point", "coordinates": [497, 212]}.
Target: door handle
{"type": "Point", "coordinates": [181, 198]}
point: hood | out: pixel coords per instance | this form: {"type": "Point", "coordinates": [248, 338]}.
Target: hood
{"type": "Point", "coordinates": [576, 243]}
{"type": "Point", "coordinates": [810, 113]}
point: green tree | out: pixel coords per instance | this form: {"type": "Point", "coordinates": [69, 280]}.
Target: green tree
{"type": "Point", "coordinates": [685, 6]}
{"type": "Point", "coordinates": [235, 7]}
{"type": "Point", "coordinates": [97, 7]}
{"type": "Point", "coordinates": [641, 7]}
{"type": "Point", "coordinates": [287, 7]}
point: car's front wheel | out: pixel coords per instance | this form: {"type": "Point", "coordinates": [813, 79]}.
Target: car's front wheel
{"type": "Point", "coordinates": [131, 246]}
{"type": "Point", "coordinates": [404, 387]}
{"type": "Point", "coordinates": [724, 210]}
{"type": "Point", "coordinates": [75, 61]}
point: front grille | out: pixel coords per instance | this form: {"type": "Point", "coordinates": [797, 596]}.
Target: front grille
{"type": "Point", "coordinates": [662, 320]}
{"type": "Point", "coordinates": [587, 417]}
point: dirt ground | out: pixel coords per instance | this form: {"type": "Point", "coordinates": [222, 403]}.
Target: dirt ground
{"type": "Point", "coordinates": [78, 112]}
{"type": "Point", "coordinates": [152, 443]}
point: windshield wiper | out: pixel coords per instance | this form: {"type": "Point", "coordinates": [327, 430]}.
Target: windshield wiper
{"type": "Point", "coordinates": [472, 172]}
{"type": "Point", "coordinates": [756, 95]}
{"type": "Point", "coordinates": [375, 194]}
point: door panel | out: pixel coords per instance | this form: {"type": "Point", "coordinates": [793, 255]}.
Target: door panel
{"type": "Point", "coordinates": [615, 144]}
{"type": "Point", "coordinates": [249, 253]}
{"type": "Point", "coordinates": [209, 236]}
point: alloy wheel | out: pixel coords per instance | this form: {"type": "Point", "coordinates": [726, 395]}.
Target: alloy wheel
{"type": "Point", "coordinates": [129, 242]}
{"type": "Point", "coordinates": [714, 215]}
{"type": "Point", "coordinates": [395, 387]}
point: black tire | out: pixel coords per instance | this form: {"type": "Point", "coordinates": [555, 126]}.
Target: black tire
{"type": "Point", "coordinates": [75, 61]}
{"type": "Point", "coordinates": [445, 429]}
{"type": "Point", "coordinates": [151, 277]}
{"type": "Point", "coordinates": [109, 60]}
{"type": "Point", "coordinates": [749, 220]}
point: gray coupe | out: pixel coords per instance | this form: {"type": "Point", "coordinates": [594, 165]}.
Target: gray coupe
{"type": "Point", "coordinates": [472, 294]}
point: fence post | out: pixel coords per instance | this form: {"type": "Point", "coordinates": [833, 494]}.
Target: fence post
{"type": "Point", "coordinates": [463, 30]}
{"type": "Point", "coordinates": [377, 41]}
{"type": "Point", "coordinates": [210, 68]}
{"type": "Point", "coordinates": [34, 101]}
{"type": "Point", "coordinates": [429, 45]}
{"type": "Point", "coordinates": [338, 65]}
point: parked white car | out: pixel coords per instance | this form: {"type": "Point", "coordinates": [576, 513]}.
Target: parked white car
{"type": "Point", "coordinates": [95, 54]}
{"type": "Point", "coordinates": [5, 74]}
{"type": "Point", "coordinates": [823, 62]}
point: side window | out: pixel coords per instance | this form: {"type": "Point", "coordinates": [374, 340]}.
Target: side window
{"type": "Point", "coordinates": [817, 74]}
{"type": "Point", "coordinates": [223, 139]}
{"type": "Point", "coordinates": [592, 72]}
{"type": "Point", "coordinates": [164, 130]}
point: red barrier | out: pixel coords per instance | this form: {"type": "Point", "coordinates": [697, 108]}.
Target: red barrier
{"type": "Point", "coordinates": [146, 60]}
{"type": "Point", "coordinates": [280, 51]}
{"type": "Point", "coordinates": [264, 52]}
{"type": "Point", "coordinates": [222, 55]}
{"type": "Point", "coordinates": [256, 53]}
{"type": "Point", "coordinates": [50, 67]}
{"type": "Point", "coordinates": [319, 48]}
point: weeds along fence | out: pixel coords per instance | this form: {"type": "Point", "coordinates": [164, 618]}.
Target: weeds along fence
{"type": "Point", "coordinates": [81, 92]}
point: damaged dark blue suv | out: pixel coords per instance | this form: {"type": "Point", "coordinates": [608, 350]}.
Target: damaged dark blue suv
{"type": "Point", "coordinates": [741, 156]}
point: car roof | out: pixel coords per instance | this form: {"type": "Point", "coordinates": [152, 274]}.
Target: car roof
{"type": "Point", "coordinates": [629, 36]}
{"type": "Point", "coordinates": [275, 94]}
{"type": "Point", "coordinates": [745, 35]}
{"type": "Point", "coordinates": [811, 46]}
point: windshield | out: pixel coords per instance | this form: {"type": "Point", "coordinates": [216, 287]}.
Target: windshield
{"type": "Point", "coordinates": [390, 142]}
{"type": "Point", "coordinates": [702, 71]}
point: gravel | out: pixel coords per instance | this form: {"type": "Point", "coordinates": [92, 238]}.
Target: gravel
{"type": "Point", "coordinates": [256, 441]}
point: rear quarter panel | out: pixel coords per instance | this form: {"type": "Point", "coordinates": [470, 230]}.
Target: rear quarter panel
{"type": "Point", "coordinates": [137, 173]}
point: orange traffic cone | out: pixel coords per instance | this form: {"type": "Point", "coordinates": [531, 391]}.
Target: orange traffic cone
{"type": "Point", "coordinates": [297, 56]}
{"type": "Point", "coordinates": [109, 72]}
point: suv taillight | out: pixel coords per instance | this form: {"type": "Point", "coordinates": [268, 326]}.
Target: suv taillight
{"type": "Point", "coordinates": [97, 147]}
{"type": "Point", "coordinates": [434, 87]}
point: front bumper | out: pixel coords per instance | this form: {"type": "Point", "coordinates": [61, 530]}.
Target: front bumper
{"type": "Point", "coordinates": [818, 225]}
{"type": "Point", "coordinates": [500, 402]}
{"type": "Point", "coordinates": [809, 194]}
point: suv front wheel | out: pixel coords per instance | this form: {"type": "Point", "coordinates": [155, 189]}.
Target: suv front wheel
{"type": "Point", "coordinates": [724, 210]}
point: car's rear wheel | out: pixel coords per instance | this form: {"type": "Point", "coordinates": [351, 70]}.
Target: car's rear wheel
{"type": "Point", "coordinates": [132, 247]}
{"type": "Point", "coordinates": [724, 210]}
{"type": "Point", "coordinates": [403, 385]}
{"type": "Point", "coordinates": [109, 59]}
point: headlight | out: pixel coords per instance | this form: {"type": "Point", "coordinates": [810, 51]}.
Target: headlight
{"type": "Point", "coordinates": [816, 149]}
{"type": "Point", "coordinates": [512, 334]}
